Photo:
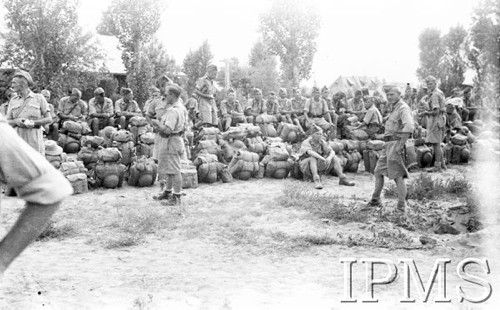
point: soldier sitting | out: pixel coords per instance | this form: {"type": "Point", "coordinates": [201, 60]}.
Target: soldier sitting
{"type": "Point", "coordinates": [100, 111]}
{"type": "Point", "coordinates": [126, 108]}
{"type": "Point", "coordinates": [317, 157]}
{"type": "Point", "coordinates": [231, 111]}
{"type": "Point", "coordinates": [316, 113]}
{"type": "Point", "coordinates": [255, 106]}
{"type": "Point", "coordinates": [372, 120]}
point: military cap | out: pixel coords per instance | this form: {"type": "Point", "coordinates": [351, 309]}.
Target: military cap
{"type": "Point", "coordinates": [257, 91]}
{"type": "Point", "coordinates": [126, 91]}
{"type": "Point", "coordinates": [211, 66]}
{"type": "Point", "coordinates": [174, 90]}
{"type": "Point", "coordinates": [76, 91]}
{"type": "Point", "coordinates": [25, 75]}
{"type": "Point", "coordinates": [315, 90]}
{"type": "Point", "coordinates": [98, 91]}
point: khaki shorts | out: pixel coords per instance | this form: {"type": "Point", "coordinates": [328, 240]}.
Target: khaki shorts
{"type": "Point", "coordinates": [390, 163]}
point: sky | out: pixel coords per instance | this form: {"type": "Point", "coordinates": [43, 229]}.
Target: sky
{"type": "Point", "coordinates": [357, 37]}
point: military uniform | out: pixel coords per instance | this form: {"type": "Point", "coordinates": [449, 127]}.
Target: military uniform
{"type": "Point", "coordinates": [97, 123]}
{"type": "Point", "coordinates": [255, 108]}
{"type": "Point", "coordinates": [391, 163]}
{"type": "Point", "coordinates": [436, 123]}
{"type": "Point", "coordinates": [156, 109]}
{"type": "Point", "coordinates": [171, 147]}
{"type": "Point", "coordinates": [122, 106]}
{"type": "Point", "coordinates": [206, 106]}
{"type": "Point", "coordinates": [78, 109]}
{"type": "Point", "coordinates": [316, 111]}
{"type": "Point", "coordinates": [227, 108]}
{"type": "Point", "coordinates": [373, 120]}
{"type": "Point", "coordinates": [33, 107]}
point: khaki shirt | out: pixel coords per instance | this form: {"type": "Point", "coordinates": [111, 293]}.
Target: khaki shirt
{"type": "Point", "coordinates": [255, 106]}
{"type": "Point", "coordinates": [316, 108]}
{"type": "Point", "coordinates": [78, 109]}
{"type": "Point", "coordinates": [156, 108]}
{"type": "Point", "coordinates": [298, 105]}
{"type": "Point", "coordinates": [400, 120]}
{"type": "Point", "coordinates": [356, 106]}
{"type": "Point", "coordinates": [284, 105]}
{"type": "Point", "coordinates": [106, 107]}
{"type": "Point", "coordinates": [173, 119]}
{"type": "Point", "coordinates": [322, 148]}
{"type": "Point", "coordinates": [33, 107]}
{"type": "Point", "coordinates": [28, 172]}
{"type": "Point", "coordinates": [227, 108]}
{"type": "Point", "coordinates": [436, 100]}
{"type": "Point", "coordinates": [373, 116]}
{"type": "Point", "coordinates": [121, 106]}
{"type": "Point", "coordinates": [179, 105]}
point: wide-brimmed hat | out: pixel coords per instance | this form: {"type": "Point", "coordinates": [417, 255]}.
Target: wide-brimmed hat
{"type": "Point", "coordinates": [51, 148]}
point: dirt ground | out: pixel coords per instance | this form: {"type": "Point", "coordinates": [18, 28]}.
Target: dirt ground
{"type": "Point", "coordinates": [229, 246]}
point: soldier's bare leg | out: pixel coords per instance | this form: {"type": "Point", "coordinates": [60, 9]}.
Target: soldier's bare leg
{"type": "Point", "coordinates": [402, 191]}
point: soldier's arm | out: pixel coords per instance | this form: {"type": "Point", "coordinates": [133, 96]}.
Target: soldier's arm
{"type": "Point", "coordinates": [36, 182]}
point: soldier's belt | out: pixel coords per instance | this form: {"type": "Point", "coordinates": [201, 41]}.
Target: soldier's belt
{"type": "Point", "coordinates": [164, 135]}
{"type": "Point", "coordinates": [391, 138]}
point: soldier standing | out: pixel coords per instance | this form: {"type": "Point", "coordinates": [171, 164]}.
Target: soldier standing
{"type": "Point", "coordinates": [170, 147]}
{"type": "Point", "coordinates": [398, 128]}
{"type": "Point", "coordinates": [436, 121]}
{"type": "Point", "coordinates": [28, 112]}
{"type": "Point", "coordinates": [205, 90]}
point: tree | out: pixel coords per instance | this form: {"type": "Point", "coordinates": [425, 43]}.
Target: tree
{"type": "Point", "coordinates": [264, 75]}
{"type": "Point", "coordinates": [45, 39]}
{"type": "Point", "coordinates": [263, 68]}
{"type": "Point", "coordinates": [195, 64]}
{"type": "Point", "coordinates": [454, 61]}
{"type": "Point", "coordinates": [157, 55]}
{"type": "Point", "coordinates": [133, 24]}
{"type": "Point", "coordinates": [238, 74]}
{"type": "Point", "coordinates": [431, 52]}
{"type": "Point", "coordinates": [289, 30]}
{"type": "Point", "coordinates": [484, 48]}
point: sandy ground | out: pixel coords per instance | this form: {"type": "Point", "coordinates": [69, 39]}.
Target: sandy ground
{"type": "Point", "coordinates": [219, 250]}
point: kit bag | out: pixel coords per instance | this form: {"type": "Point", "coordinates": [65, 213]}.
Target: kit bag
{"type": "Point", "coordinates": [109, 174]}
{"type": "Point", "coordinates": [79, 183]}
{"type": "Point", "coordinates": [143, 172]}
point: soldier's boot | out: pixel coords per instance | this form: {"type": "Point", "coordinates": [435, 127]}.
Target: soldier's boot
{"type": "Point", "coordinates": [164, 195]}
{"type": "Point", "coordinates": [401, 207]}
{"type": "Point", "coordinates": [174, 200]}
{"type": "Point", "coordinates": [344, 181]}
{"type": "Point", "coordinates": [317, 183]}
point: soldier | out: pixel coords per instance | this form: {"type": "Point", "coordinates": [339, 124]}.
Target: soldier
{"type": "Point", "coordinates": [317, 157]}
{"type": "Point", "coordinates": [231, 111]}
{"type": "Point", "coordinates": [35, 180]}
{"type": "Point", "coordinates": [154, 93]}
{"type": "Point", "coordinates": [51, 129]}
{"type": "Point", "coordinates": [272, 104]}
{"type": "Point", "coordinates": [297, 113]}
{"type": "Point", "coordinates": [398, 128]}
{"type": "Point", "coordinates": [469, 111]}
{"type": "Point", "coordinates": [72, 108]}
{"type": "Point", "coordinates": [205, 90]}
{"type": "Point", "coordinates": [372, 120]}
{"type": "Point", "coordinates": [325, 95]}
{"type": "Point", "coordinates": [436, 121]}
{"type": "Point", "coordinates": [356, 105]}
{"type": "Point", "coordinates": [284, 106]}
{"type": "Point", "coordinates": [316, 113]}
{"type": "Point", "coordinates": [28, 112]}
{"type": "Point", "coordinates": [255, 106]}
{"type": "Point", "coordinates": [126, 108]}
{"type": "Point", "coordinates": [170, 147]}
{"type": "Point", "coordinates": [100, 111]}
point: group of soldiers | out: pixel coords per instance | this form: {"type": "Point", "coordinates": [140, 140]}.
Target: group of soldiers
{"type": "Point", "coordinates": [321, 117]}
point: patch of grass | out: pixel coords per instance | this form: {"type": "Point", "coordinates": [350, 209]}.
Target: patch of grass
{"type": "Point", "coordinates": [426, 187]}
{"type": "Point", "coordinates": [317, 239]}
{"type": "Point", "coordinates": [56, 231]}
{"type": "Point", "coordinates": [323, 204]}
{"type": "Point", "coordinates": [121, 241]}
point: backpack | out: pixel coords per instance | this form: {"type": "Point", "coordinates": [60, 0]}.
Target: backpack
{"type": "Point", "coordinates": [109, 154]}
{"type": "Point", "coordinates": [148, 138]}
{"type": "Point", "coordinates": [69, 144]}
{"type": "Point", "coordinates": [127, 149]}
{"type": "Point", "coordinates": [207, 172]}
{"type": "Point", "coordinates": [109, 174]}
{"type": "Point", "coordinates": [143, 149]}
{"type": "Point", "coordinates": [79, 183]}
{"type": "Point", "coordinates": [72, 126]}
{"type": "Point", "coordinates": [122, 136]}
{"type": "Point", "coordinates": [255, 145]}
{"type": "Point", "coordinates": [279, 169]}
{"type": "Point", "coordinates": [88, 155]}
{"type": "Point", "coordinates": [72, 167]}
{"type": "Point", "coordinates": [56, 160]}
{"type": "Point", "coordinates": [92, 141]}
{"type": "Point", "coordinates": [138, 121]}
{"type": "Point", "coordinates": [143, 172]}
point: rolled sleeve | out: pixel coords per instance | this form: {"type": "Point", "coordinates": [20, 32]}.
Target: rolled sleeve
{"type": "Point", "coordinates": [24, 169]}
